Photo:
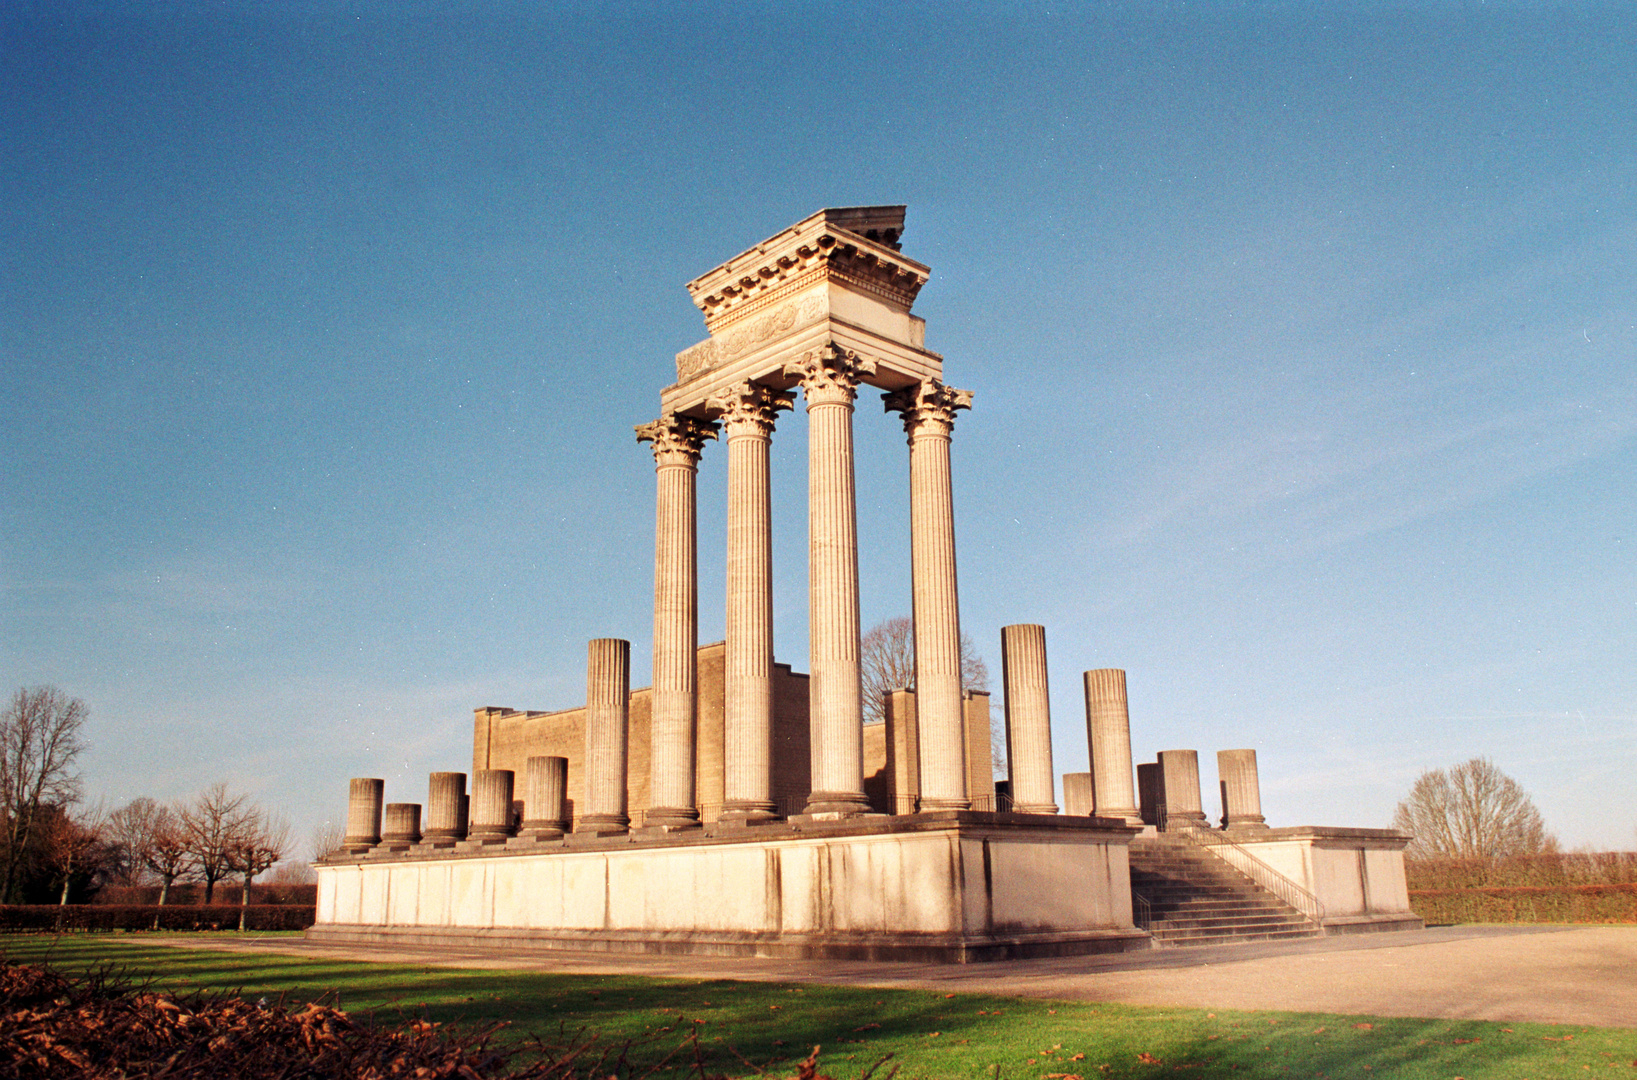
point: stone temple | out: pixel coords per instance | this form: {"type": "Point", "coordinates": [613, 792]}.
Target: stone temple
{"type": "Point", "coordinates": [738, 806]}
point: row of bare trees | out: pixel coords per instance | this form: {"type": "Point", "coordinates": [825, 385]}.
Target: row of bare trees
{"type": "Point", "coordinates": [48, 836]}
{"type": "Point", "coordinates": [217, 835]}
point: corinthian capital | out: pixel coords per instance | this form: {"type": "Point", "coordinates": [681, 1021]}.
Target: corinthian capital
{"type": "Point", "coordinates": [830, 374]}
{"type": "Point", "coordinates": [677, 439]}
{"type": "Point", "coordinates": [750, 408]}
{"type": "Point", "coordinates": [927, 407]}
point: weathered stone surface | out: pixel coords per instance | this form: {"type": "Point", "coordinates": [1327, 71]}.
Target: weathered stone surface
{"type": "Point", "coordinates": [1108, 729]}
{"type": "Point", "coordinates": [1241, 790]}
{"type": "Point", "coordinates": [1028, 719]}
{"type": "Point", "coordinates": [1078, 798]}
{"type": "Point", "coordinates": [607, 695]}
{"type": "Point", "coordinates": [492, 804]}
{"type": "Point", "coordinates": [364, 798]}
{"type": "Point", "coordinates": [1180, 770]}
{"type": "Point", "coordinates": [545, 785]}
{"type": "Point", "coordinates": [403, 823]}
{"type": "Point", "coordinates": [446, 806]}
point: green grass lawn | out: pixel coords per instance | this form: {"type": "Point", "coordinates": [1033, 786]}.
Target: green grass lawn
{"type": "Point", "coordinates": [928, 1035]}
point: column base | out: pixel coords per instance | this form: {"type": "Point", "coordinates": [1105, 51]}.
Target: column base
{"type": "Point", "coordinates": [442, 834]}
{"type": "Point", "coordinates": [929, 804]}
{"type": "Point", "coordinates": [1246, 821]}
{"type": "Point", "coordinates": [1192, 819]}
{"type": "Point", "coordinates": [603, 824]}
{"type": "Point", "coordinates": [1034, 808]}
{"type": "Point", "coordinates": [836, 804]}
{"type": "Point", "coordinates": [737, 812]}
{"type": "Point", "coordinates": [670, 818]}
{"type": "Point", "coordinates": [1128, 814]}
{"type": "Point", "coordinates": [542, 830]}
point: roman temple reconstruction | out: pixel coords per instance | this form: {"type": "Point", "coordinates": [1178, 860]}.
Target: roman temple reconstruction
{"type": "Point", "coordinates": [739, 806]}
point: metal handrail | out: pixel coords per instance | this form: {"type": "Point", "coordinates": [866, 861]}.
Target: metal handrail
{"type": "Point", "coordinates": [1249, 864]}
{"type": "Point", "coordinates": [1142, 912]}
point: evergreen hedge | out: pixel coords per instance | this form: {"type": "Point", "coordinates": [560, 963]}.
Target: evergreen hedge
{"type": "Point", "coordinates": [25, 918]}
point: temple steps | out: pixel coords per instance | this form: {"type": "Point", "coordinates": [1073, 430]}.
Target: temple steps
{"type": "Point", "coordinates": [1194, 898]}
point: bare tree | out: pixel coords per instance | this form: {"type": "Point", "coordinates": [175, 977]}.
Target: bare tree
{"type": "Point", "coordinates": [77, 843]}
{"type": "Point", "coordinates": [326, 838]}
{"type": "Point", "coordinates": [1473, 811]}
{"type": "Point", "coordinates": [40, 740]}
{"type": "Point", "coordinates": [168, 854]}
{"type": "Point", "coordinates": [887, 663]}
{"type": "Point", "coordinates": [211, 824]}
{"type": "Point", "coordinates": [259, 842]}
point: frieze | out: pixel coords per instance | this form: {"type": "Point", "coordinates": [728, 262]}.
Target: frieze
{"type": "Point", "coordinates": [715, 351]}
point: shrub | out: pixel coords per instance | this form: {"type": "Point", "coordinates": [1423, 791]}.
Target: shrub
{"type": "Point", "coordinates": [1535, 904]}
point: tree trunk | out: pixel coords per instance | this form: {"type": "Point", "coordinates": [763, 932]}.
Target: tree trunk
{"type": "Point", "coordinates": [244, 903]}
{"type": "Point", "coordinates": [68, 876]}
{"type": "Point", "coordinates": [164, 888]}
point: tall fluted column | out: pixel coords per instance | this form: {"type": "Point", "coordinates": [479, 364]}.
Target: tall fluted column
{"type": "Point", "coordinates": [1241, 790]}
{"type": "Point", "coordinates": [747, 415]}
{"type": "Point", "coordinates": [1180, 769]}
{"type": "Point", "coordinates": [607, 709]}
{"type": "Point", "coordinates": [928, 409]}
{"type": "Point", "coordinates": [445, 816]}
{"type": "Point", "coordinates": [1108, 728]}
{"type": "Point", "coordinates": [677, 441]}
{"type": "Point", "coordinates": [364, 796]}
{"type": "Point", "coordinates": [1028, 719]}
{"type": "Point", "coordinates": [829, 381]}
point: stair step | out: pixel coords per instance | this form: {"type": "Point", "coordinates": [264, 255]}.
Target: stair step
{"type": "Point", "coordinates": [1195, 899]}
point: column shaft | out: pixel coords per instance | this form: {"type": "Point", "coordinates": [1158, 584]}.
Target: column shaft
{"type": "Point", "coordinates": [492, 803]}
{"type": "Point", "coordinates": [1108, 728]}
{"type": "Point", "coordinates": [1180, 769]}
{"type": "Point", "coordinates": [677, 440]}
{"type": "Point", "coordinates": [1241, 790]}
{"type": "Point", "coordinates": [446, 791]}
{"type": "Point", "coordinates": [402, 823]}
{"type": "Point", "coordinates": [607, 706]}
{"type": "Point", "coordinates": [830, 377]}
{"type": "Point", "coordinates": [1028, 719]}
{"type": "Point", "coordinates": [928, 410]}
{"type": "Point", "coordinates": [364, 796]}
{"type": "Point", "coordinates": [747, 752]}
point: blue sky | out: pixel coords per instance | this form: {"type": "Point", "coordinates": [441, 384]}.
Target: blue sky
{"type": "Point", "coordinates": [1304, 340]}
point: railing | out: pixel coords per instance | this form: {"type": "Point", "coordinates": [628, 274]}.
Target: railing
{"type": "Point", "coordinates": [1242, 859]}
{"type": "Point", "coordinates": [1142, 912]}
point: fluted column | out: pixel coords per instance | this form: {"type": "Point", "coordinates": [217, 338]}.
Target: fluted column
{"type": "Point", "coordinates": [1241, 790]}
{"type": "Point", "coordinates": [1108, 729]}
{"type": "Point", "coordinates": [1180, 770]}
{"type": "Point", "coordinates": [403, 823]}
{"type": "Point", "coordinates": [928, 409]}
{"type": "Point", "coordinates": [677, 442]}
{"type": "Point", "coordinates": [445, 806]}
{"type": "Point", "coordinates": [1028, 719]}
{"type": "Point", "coordinates": [829, 381]}
{"type": "Point", "coordinates": [747, 415]}
{"type": "Point", "coordinates": [607, 709]}
{"type": "Point", "coordinates": [545, 786]}
{"type": "Point", "coordinates": [492, 803]}
{"type": "Point", "coordinates": [364, 795]}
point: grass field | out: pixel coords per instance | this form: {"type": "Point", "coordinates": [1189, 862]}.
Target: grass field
{"type": "Point", "coordinates": [746, 1027]}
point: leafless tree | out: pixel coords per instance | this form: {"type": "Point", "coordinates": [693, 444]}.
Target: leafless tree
{"type": "Point", "coordinates": [77, 843]}
{"type": "Point", "coordinates": [168, 854]}
{"type": "Point", "coordinates": [258, 843]}
{"type": "Point", "coordinates": [151, 844]}
{"type": "Point", "coordinates": [887, 662]}
{"type": "Point", "coordinates": [211, 824]}
{"type": "Point", "coordinates": [326, 838]}
{"type": "Point", "coordinates": [1472, 811]}
{"type": "Point", "coordinates": [40, 740]}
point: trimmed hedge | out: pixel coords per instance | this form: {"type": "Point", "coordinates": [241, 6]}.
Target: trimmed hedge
{"type": "Point", "coordinates": [51, 917]}
{"type": "Point", "coordinates": [1528, 904]}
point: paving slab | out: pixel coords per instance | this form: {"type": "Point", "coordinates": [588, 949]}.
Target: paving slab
{"type": "Point", "coordinates": [1583, 975]}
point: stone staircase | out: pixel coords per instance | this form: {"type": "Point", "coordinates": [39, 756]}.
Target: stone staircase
{"type": "Point", "coordinates": [1194, 898]}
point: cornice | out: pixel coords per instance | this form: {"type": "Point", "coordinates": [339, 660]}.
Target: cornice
{"type": "Point", "coordinates": [821, 245]}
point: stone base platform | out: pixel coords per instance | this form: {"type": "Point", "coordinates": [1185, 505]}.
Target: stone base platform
{"type": "Point", "coordinates": [954, 886]}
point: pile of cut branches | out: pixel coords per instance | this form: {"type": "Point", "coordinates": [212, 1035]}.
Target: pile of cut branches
{"type": "Point", "coordinates": [102, 1027]}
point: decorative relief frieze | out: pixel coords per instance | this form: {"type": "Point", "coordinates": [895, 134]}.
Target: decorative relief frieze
{"type": "Point", "coordinates": [677, 439]}
{"type": "Point", "coordinates": [928, 407]}
{"type": "Point", "coordinates": [718, 350]}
